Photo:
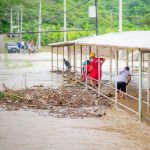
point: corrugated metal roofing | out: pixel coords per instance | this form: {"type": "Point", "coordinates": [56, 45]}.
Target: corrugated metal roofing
{"type": "Point", "coordinates": [131, 39]}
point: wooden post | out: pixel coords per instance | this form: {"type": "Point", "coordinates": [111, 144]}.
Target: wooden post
{"type": "Point", "coordinates": [68, 53]}
{"type": "Point", "coordinates": [148, 87]}
{"type": "Point", "coordinates": [69, 59]}
{"type": "Point", "coordinates": [74, 50]}
{"type": "Point", "coordinates": [81, 57]}
{"type": "Point", "coordinates": [89, 49]}
{"type": "Point", "coordinates": [127, 59]}
{"type": "Point", "coordinates": [140, 85]}
{"type": "Point", "coordinates": [63, 60]}
{"type": "Point", "coordinates": [52, 58]}
{"type": "Point", "coordinates": [57, 57]}
{"type": "Point", "coordinates": [97, 51]}
{"type": "Point", "coordinates": [74, 53]}
{"type": "Point", "coordinates": [110, 69]}
{"type": "Point", "coordinates": [116, 73]}
{"type": "Point", "coordinates": [127, 64]}
{"type": "Point", "coordinates": [86, 70]}
{"type": "Point", "coordinates": [132, 61]}
{"type": "Point", "coordinates": [143, 62]}
{"type": "Point", "coordinates": [99, 79]}
{"type": "Point", "coordinates": [117, 60]}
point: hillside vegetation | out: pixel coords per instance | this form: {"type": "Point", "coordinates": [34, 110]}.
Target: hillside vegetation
{"type": "Point", "coordinates": [136, 16]}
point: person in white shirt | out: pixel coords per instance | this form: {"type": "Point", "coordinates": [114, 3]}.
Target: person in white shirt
{"type": "Point", "coordinates": [123, 79]}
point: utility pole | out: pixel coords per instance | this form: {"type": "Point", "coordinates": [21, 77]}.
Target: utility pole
{"type": "Point", "coordinates": [121, 53]}
{"type": "Point", "coordinates": [120, 15]}
{"type": "Point", "coordinates": [11, 23]}
{"type": "Point", "coordinates": [65, 34]}
{"type": "Point", "coordinates": [96, 18]}
{"type": "Point", "coordinates": [39, 27]}
{"type": "Point", "coordinates": [65, 28]}
{"type": "Point", "coordinates": [21, 24]}
{"type": "Point", "coordinates": [18, 25]}
{"type": "Point", "coordinates": [18, 20]}
{"type": "Point", "coordinates": [111, 23]}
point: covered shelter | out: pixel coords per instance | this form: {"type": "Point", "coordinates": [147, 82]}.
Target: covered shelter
{"type": "Point", "coordinates": [109, 45]}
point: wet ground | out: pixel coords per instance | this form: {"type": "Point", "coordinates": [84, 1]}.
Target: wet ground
{"type": "Point", "coordinates": [24, 70]}
{"type": "Point", "coordinates": [22, 130]}
{"type": "Point", "coordinates": [34, 129]}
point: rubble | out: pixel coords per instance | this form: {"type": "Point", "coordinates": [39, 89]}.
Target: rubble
{"type": "Point", "coordinates": [70, 101]}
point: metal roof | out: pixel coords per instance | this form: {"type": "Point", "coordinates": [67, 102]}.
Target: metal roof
{"type": "Point", "coordinates": [130, 39]}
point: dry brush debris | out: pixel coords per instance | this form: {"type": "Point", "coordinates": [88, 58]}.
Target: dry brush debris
{"type": "Point", "coordinates": [70, 101]}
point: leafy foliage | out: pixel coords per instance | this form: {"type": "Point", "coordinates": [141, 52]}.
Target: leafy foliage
{"type": "Point", "coordinates": [136, 16]}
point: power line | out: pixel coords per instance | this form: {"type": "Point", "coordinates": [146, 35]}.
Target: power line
{"type": "Point", "coordinates": [32, 32]}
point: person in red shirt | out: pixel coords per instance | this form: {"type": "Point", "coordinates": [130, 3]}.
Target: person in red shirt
{"type": "Point", "coordinates": [94, 75]}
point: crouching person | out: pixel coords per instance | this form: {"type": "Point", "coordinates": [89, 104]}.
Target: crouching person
{"type": "Point", "coordinates": [67, 64]}
{"type": "Point", "coordinates": [123, 79]}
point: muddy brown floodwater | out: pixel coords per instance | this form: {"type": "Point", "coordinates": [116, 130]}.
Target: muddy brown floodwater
{"type": "Point", "coordinates": [22, 130]}
{"type": "Point", "coordinates": [37, 130]}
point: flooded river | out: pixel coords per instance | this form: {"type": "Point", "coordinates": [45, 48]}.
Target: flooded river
{"type": "Point", "coordinates": [36, 130]}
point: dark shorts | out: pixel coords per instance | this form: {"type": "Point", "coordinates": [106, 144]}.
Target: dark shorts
{"type": "Point", "coordinates": [121, 86]}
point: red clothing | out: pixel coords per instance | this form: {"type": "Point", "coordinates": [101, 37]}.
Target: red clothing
{"type": "Point", "coordinates": [86, 67]}
{"type": "Point", "coordinates": [94, 72]}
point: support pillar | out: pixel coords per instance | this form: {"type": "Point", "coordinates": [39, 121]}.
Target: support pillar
{"type": "Point", "coordinates": [140, 85]}
{"type": "Point", "coordinates": [74, 53]}
{"type": "Point", "coordinates": [116, 73]}
{"type": "Point", "coordinates": [81, 48]}
{"type": "Point", "coordinates": [86, 69]}
{"type": "Point", "coordinates": [52, 58]}
{"type": "Point", "coordinates": [132, 62]}
{"type": "Point", "coordinates": [63, 59]}
{"type": "Point", "coordinates": [127, 58]}
{"type": "Point", "coordinates": [89, 49]}
{"type": "Point", "coordinates": [148, 86]}
{"type": "Point", "coordinates": [99, 66]}
{"type": "Point", "coordinates": [57, 58]}
{"type": "Point", "coordinates": [110, 69]}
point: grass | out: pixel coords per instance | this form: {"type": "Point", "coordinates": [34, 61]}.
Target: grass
{"type": "Point", "coordinates": [2, 95]}
{"type": "Point", "coordinates": [7, 39]}
{"type": "Point", "coordinates": [14, 97]}
{"type": "Point", "coordinates": [44, 49]}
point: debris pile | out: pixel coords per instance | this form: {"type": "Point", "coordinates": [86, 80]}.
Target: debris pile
{"type": "Point", "coordinates": [72, 101]}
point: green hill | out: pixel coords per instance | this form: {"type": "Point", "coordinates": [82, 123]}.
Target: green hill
{"type": "Point", "coordinates": [136, 16]}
